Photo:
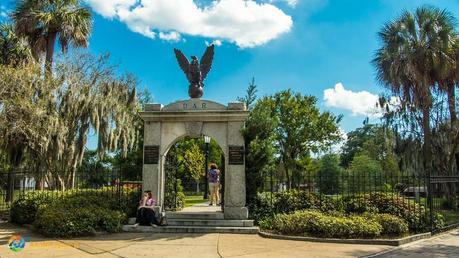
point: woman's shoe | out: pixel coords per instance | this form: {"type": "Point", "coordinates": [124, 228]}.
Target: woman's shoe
{"type": "Point", "coordinates": [210, 204]}
{"type": "Point", "coordinates": [154, 225]}
{"type": "Point", "coordinates": [136, 225]}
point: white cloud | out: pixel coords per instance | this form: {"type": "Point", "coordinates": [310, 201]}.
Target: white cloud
{"type": "Point", "coordinates": [246, 23]}
{"type": "Point", "coordinates": [291, 3]}
{"type": "Point", "coordinates": [359, 103]}
{"type": "Point", "coordinates": [170, 36]}
{"type": "Point", "coordinates": [216, 42]}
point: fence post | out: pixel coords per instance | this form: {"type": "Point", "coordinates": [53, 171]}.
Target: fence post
{"type": "Point", "coordinates": [119, 185]}
{"type": "Point", "coordinates": [10, 187]}
{"type": "Point", "coordinates": [430, 199]}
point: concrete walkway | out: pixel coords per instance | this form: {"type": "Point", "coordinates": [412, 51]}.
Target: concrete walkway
{"type": "Point", "coordinates": [443, 245]}
{"type": "Point", "coordinates": [174, 245]}
{"type": "Point", "coordinates": [202, 207]}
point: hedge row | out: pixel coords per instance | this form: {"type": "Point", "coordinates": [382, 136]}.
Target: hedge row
{"type": "Point", "coordinates": [265, 206]}
{"type": "Point", "coordinates": [57, 220]}
{"type": "Point", "coordinates": [74, 213]}
{"type": "Point", "coordinates": [319, 224]}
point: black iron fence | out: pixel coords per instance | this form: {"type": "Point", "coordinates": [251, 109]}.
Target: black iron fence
{"type": "Point", "coordinates": [426, 195]}
{"type": "Point", "coordinates": [124, 185]}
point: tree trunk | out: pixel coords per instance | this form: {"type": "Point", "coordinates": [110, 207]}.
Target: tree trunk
{"type": "Point", "coordinates": [427, 139]}
{"type": "Point", "coordinates": [451, 187]}
{"type": "Point", "coordinates": [452, 102]}
{"type": "Point", "coordinates": [50, 43]}
{"type": "Point", "coordinates": [197, 187]}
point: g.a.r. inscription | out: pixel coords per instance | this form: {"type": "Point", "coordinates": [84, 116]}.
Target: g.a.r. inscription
{"type": "Point", "coordinates": [194, 106]}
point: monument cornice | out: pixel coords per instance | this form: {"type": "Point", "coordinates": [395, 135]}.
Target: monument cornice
{"type": "Point", "coordinates": [195, 115]}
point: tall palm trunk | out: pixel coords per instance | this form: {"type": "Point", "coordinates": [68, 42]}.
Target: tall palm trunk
{"type": "Point", "coordinates": [50, 43]}
{"type": "Point", "coordinates": [427, 151]}
{"type": "Point", "coordinates": [451, 187]}
{"type": "Point", "coordinates": [451, 91]}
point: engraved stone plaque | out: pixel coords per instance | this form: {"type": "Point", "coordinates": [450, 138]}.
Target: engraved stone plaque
{"type": "Point", "coordinates": [236, 155]}
{"type": "Point", "coordinates": [151, 154]}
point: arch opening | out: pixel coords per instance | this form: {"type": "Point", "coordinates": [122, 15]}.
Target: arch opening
{"type": "Point", "coordinates": [186, 163]}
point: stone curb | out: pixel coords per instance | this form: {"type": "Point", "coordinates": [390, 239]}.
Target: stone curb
{"type": "Point", "coordinates": [391, 242]}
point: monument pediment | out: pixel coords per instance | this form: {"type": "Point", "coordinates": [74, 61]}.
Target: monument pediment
{"type": "Point", "coordinates": [194, 105]}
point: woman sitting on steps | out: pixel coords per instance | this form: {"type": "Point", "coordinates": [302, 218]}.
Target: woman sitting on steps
{"type": "Point", "coordinates": [145, 213]}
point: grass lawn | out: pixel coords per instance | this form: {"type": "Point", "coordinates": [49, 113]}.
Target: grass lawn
{"type": "Point", "coordinates": [191, 200]}
{"type": "Point", "coordinates": [450, 216]}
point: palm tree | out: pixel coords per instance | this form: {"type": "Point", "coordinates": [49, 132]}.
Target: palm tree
{"type": "Point", "coordinates": [413, 47]}
{"type": "Point", "coordinates": [13, 49]}
{"type": "Point", "coordinates": [43, 22]}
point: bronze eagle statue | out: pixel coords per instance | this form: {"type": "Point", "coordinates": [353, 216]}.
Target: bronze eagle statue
{"type": "Point", "coordinates": [196, 71]}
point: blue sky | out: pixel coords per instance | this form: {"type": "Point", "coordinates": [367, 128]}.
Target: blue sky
{"type": "Point", "coordinates": [305, 45]}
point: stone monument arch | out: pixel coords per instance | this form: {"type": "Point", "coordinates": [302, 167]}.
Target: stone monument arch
{"type": "Point", "coordinates": [165, 125]}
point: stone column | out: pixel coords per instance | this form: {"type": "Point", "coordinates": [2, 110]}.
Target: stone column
{"type": "Point", "coordinates": [151, 173]}
{"type": "Point", "coordinates": [235, 177]}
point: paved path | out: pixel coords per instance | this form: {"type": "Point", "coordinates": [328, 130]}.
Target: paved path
{"type": "Point", "coordinates": [444, 245]}
{"type": "Point", "coordinates": [174, 245]}
{"type": "Point", "coordinates": [202, 207]}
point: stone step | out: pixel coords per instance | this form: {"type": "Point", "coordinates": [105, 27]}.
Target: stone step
{"type": "Point", "coordinates": [195, 215]}
{"type": "Point", "coordinates": [191, 229]}
{"type": "Point", "coordinates": [215, 223]}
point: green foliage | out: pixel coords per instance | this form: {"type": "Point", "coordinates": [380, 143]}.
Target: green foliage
{"type": "Point", "coordinates": [57, 221]}
{"type": "Point", "coordinates": [315, 223]}
{"type": "Point", "coordinates": [329, 174]}
{"type": "Point", "coordinates": [14, 50]}
{"type": "Point", "coordinates": [251, 95]}
{"type": "Point", "coordinates": [391, 225]}
{"type": "Point", "coordinates": [72, 213]}
{"type": "Point", "coordinates": [259, 146]}
{"type": "Point", "coordinates": [24, 209]}
{"type": "Point", "coordinates": [290, 126]}
{"type": "Point", "coordinates": [54, 115]}
{"type": "Point", "coordinates": [174, 198]}
{"type": "Point", "coordinates": [416, 215]}
{"type": "Point", "coordinates": [376, 143]}
{"type": "Point", "coordinates": [365, 173]}
{"type": "Point", "coordinates": [289, 201]}
{"type": "Point", "coordinates": [62, 220]}
{"type": "Point", "coordinates": [194, 161]}
{"type": "Point", "coordinates": [44, 22]}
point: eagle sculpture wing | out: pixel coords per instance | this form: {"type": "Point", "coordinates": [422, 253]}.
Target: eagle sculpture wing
{"type": "Point", "coordinates": [182, 60]}
{"type": "Point", "coordinates": [206, 61]}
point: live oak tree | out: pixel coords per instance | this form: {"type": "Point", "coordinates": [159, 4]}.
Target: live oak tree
{"type": "Point", "coordinates": [294, 126]}
{"type": "Point", "coordinates": [50, 118]}
{"type": "Point", "coordinates": [14, 50]}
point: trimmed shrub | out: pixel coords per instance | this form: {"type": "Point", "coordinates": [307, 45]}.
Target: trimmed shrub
{"type": "Point", "coordinates": [62, 220]}
{"type": "Point", "coordinates": [24, 209]}
{"type": "Point", "coordinates": [263, 206]}
{"type": "Point", "coordinates": [391, 225]}
{"type": "Point", "coordinates": [59, 221]}
{"type": "Point", "coordinates": [416, 215]}
{"type": "Point", "coordinates": [315, 223]}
